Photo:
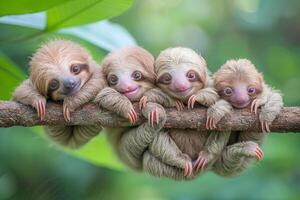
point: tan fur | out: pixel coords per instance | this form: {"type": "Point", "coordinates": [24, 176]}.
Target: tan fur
{"type": "Point", "coordinates": [129, 143]}
{"type": "Point", "coordinates": [236, 71]}
{"type": "Point", "coordinates": [53, 61]}
{"type": "Point", "coordinates": [172, 149]}
{"type": "Point", "coordinates": [180, 57]}
{"type": "Point", "coordinates": [240, 155]}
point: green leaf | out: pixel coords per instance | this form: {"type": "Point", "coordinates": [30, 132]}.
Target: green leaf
{"type": "Point", "coordinates": [10, 76]}
{"type": "Point", "coordinates": [26, 6]}
{"type": "Point", "coordinates": [98, 152]}
{"type": "Point", "coordinates": [79, 12]}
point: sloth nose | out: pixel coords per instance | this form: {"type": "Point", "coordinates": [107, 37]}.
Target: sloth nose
{"type": "Point", "coordinates": [70, 84]}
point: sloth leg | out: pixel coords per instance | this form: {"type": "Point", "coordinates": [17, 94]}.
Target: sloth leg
{"type": "Point", "coordinates": [213, 148]}
{"type": "Point", "coordinates": [72, 136]}
{"type": "Point", "coordinates": [165, 149]}
{"type": "Point", "coordinates": [236, 158]}
{"type": "Point", "coordinates": [155, 167]}
{"type": "Point", "coordinates": [134, 142]}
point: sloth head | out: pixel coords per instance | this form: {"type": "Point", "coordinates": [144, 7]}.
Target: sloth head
{"type": "Point", "coordinates": [60, 68]}
{"type": "Point", "coordinates": [238, 82]}
{"type": "Point", "coordinates": [180, 72]}
{"type": "Point", "coordinates": [130, 71]}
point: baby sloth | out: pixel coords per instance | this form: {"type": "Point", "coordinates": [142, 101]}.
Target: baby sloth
{"type": "Point", "coordinates": [182, 78]}
{"type": "Point", "coordinates": [240, 85]}
{"type": "Point", "coordinates": [129, 73]}
{"type": "Point", "coordinates": [62, 71]}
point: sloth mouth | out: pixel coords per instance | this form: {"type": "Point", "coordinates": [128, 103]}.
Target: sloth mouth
{"type": "Point", "coordinates": [183, 92]}
{"type": "Point", "coordinates": [241, 105]}
{"type": "Point", "coordinates": [132, 93]}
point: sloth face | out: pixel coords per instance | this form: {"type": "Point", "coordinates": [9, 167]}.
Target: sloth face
{"type": "Point", "coordinates": [238, 82]}
{"type": "Point", "coordinates": [60, 68]}
{"type": "Point", "coordinates": [130, 82]}
{"type": "Point", "coordinates": [69, 82]}
{"type": "Point", "coordinates": [130, 71]}
{"type": "Point", "coordinates": [181, 81]}
{"type": "Point", "coordinates": [180, 72]}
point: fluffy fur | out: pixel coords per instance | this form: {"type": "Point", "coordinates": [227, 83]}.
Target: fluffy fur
{"type": "Point", "coordinates": [244, 147]}
{"type": "Point", "coordinates": [174, 153]}
{"type": "Point", "coordinates": [62, 71]}
{"type": "Point", "coordinates": [129, 73]}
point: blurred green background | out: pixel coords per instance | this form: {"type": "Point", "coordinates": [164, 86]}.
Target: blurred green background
{"type": "Point", "coordinates": [265, 31]}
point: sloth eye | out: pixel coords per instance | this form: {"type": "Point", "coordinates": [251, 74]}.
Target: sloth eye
{"type": "Point", "coordinates": [191, 75]}
{"type": "Point", "coordinates": [228, 91]}
{"type": "Point", "coordinates": [251, 90]}
{"type": "Point", "coordinates": [75, 69]}
{"type": "Point", "coordinates": [53, 85]}
{"type": "Point", "coordinates": [113, 80]}
{"type": "Point", "coordinates": [165, 78]}
{"type": "Point", "coordinates": [137, 75]}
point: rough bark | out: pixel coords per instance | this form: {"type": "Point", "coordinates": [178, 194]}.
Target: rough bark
{"type": "Point", "coordinates": [16, 114]}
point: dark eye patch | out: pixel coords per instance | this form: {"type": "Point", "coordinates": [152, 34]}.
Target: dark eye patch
{"type": "Point", "coordinates": [53, 85]}
{"type": "Point", "coordinates": [77, 68]}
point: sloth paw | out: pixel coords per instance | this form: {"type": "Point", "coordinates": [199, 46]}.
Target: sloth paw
{"type": "Point", "coordinates": [256, 103]}
{"type": "Point", "coordinates": [66, 112]}
{"type": "Point", "coordinates": [210, 123]}
{"type": "Point", "coordinates": [179, 105]}
{"type": "Point", "coordinates": [188, 169]}
{"type": "Point", "coordinates": [253, 150]}
{"type": "Point", "coordinates": [191, 102]}
{"type": "Point", "coordinates": [132, 116]}
{"type": "Point", "coordinates": [153, 117]}
{"type": "Point", "coordinates": [40, 106]}
{"type": "Point", "coordinates": [265, 126]}
{"type": "Point", "coordinates": [203, 159]}
{"type": "Point", "coordinates": [143, 102]}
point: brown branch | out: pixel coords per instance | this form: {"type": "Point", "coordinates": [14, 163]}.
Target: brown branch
{"type": "Point", "coordinates": [16, 114]}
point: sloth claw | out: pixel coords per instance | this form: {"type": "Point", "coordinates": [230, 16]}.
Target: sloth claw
{"type": "Point", "coordinates": [265, 126]}
{"type": "Point", "coordinates": [143, 102]}
{"type": "Point", "coordinates": [153, 117]}
{"type": "Point", "coordinates": [179, 105]}
{"type": "Point", "coordinates": [41, 109]}
{"type": "Point", "coordinates": [188, 169]}
{"type": "Point", "coordinates": [256, 103]}
{"type": "Point", "coordinates": [132, 116]}
{"type": "Point", "coordinates": [210, 123]}
{"type": "Point", "coordinates": [66, 113]}
{"type": "Point", "coordinates": [191, 102]}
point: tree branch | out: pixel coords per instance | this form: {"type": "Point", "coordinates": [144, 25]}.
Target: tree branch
{"type": "Point", "coordinates": [16, 114]}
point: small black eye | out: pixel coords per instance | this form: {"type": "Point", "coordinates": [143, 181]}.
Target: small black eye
{"type": "Point", "coordinates": [191, 75]}
{"type": "Point", "coordinates": [75, 69]}
{"type": "Point", "coordinates": [137, 75]}
{"type": "Point", "coordinates": [165, 78]}
{"type": "Point", "coordinates": [112, 79]}
{"type": "Point", "coordinates": [251, 90]}
{"type": "Point", "coordinates": [228, 91]}
{"type": "Point", "coordinates": [53, 85]}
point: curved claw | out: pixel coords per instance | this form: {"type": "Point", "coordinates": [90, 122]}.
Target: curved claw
{"type": "Point", "coordinates": [132, 116]}
{"type": "Point", "coordinates": [256, 103]}
{"type": "Point", "coordinates": [210, 123]}
{"type": "Point", "coordinates": [200, 164]}
{"type": "Point", "coordinates": [179, 105]}
{"type": "Point", "coordinates": [66, 113]}
{"type": "Point", "coordinates": [153, 118]}
{"type": "Point", "coordinates": [188, 169]}
{"type": "Point", "coordinates": [41, 109]}
{"type": "Point", "coordinates": [143, 102]}
{"type": "Point", "coordinates": [259, 153]}
{"type": "Point", "coordinates": [265, 126]}
{"type": "Point", "coordinates": [191, 102]}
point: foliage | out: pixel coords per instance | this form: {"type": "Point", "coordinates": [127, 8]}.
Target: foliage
{"type": "Point", "coordinates": [265, 31]}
